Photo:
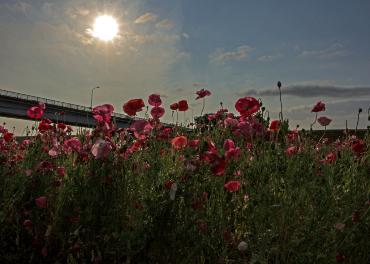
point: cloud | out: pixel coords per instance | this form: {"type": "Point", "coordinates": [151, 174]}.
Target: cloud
{"type": "Point", "coordinates": [334, 51]}
{"type": "Point", "coordinates": [147, 17]}
{"type": "Point", "coordinates": [199, 84]}
{"type": "Point", "coordinates": [165, 23]}
{"type": "Point", "coordinates": [221, 57]}
{"type": "Point", "coordinates": [309, 90]}
{"type": "Point", "coordinates": [19, 7]}
{"type": "Point", "coordinates": [270, 57]}
{"type": "Point", "coordinates": [185, 35]}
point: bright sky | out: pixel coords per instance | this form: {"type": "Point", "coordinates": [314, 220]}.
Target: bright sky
{"type": "Point", "coordinates": [318, 49]}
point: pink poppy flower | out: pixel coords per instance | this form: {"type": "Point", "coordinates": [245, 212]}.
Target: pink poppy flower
{"type": "Point", "coordinates": [324, 121]}
{"type": "Point", "coordinates": [155, 100]}
{"type": "Point", "coordinates": [102, 113]}
{"type": "Point", "coordinates": [101, 149]}
{"type": "Point", "coordinates": [53, 152]}
{"type": "Point", "coordinates": [73, 144]}
{"type": "Point", "coordinates": [230, 122]}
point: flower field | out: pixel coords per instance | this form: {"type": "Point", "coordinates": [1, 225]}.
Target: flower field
{"type": "Point", "coordinates": [227, 189]}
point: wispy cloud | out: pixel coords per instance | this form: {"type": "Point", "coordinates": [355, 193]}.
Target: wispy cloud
{"type": "Point", "coordinates": [185, 35]}
{"type": "Point", "coordinates": [306, 91]}
{"type": "Point", "coordinates": [199, 84]}
{"type": "Point", "coordinates": [334, 51]}
{"type": "Point", "coordinates": [165, 23]}
{"type": "Point", "coordinates": [270, 57]}
{"type": "Point", "coordinates": [221, 56]}
{"type": "Point", "coordinates": [147, 17]}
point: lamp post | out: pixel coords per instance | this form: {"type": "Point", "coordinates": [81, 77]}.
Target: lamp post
{"type": "Point", "coordinates": [92, 94]}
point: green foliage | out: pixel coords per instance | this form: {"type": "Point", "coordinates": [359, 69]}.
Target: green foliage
{"type": "Point", "coordinates": [289, 209]}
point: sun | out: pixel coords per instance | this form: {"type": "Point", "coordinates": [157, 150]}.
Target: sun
{"type": "Point", "coordinates": [105, 28]}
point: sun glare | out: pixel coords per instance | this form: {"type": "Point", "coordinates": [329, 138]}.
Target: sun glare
{"type": "Point", "coordinates": [105, 28]}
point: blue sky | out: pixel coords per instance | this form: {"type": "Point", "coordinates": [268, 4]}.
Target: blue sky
{"type": "Point", "coordinates": [318, 49]}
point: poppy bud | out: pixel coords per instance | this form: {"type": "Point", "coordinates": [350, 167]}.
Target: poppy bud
{"type": "Point", "coordinates": [279, 84]}
{"type": "Point", "coordinates": [242, 246]}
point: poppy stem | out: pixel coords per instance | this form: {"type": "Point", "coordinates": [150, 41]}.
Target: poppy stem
{"type": "Point", "coordinates": [358, 119]}
{"type": "Point", "coordinates": [323, 134]}
{"type": "Point", "coordinates": [314, 122]}
{"type": "Point", "coordinates": [204, 104]}
{"type": "Point", "coordinates": [281, 102]}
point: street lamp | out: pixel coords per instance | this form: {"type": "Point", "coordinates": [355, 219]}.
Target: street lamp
{"type": "Point", "coordinates": [92, 93]}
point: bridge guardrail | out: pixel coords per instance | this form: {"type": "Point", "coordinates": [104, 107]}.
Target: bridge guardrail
{"type": "Point", "coordinates": [53, 102]}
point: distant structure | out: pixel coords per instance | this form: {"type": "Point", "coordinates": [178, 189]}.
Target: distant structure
{"type": "Point", "coordinates": [15, 105]}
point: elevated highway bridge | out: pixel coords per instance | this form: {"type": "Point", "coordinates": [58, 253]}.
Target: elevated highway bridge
{"type": "Point", "coordinates": [15, 105]}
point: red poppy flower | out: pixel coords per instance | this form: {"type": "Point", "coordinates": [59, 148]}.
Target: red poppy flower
{"type": "Point", "coordinates": [329, 158]}
{"type": "Point", "coordinates": [73, 144]}
{"type": "Point", "coordinates": [44, 125]}
{"type": "Point", "coordinates": [319, 107]}
{"type": "Point", "coordinates": [42, 202]}
{"type": "Point", "coordinates": [35, 112]}
{"type": "Point", "coordinates": [291, 151]}
{"type": "Point", "coordinates": [61, 126]}
{"type": "Point", "coordinates": [155, 100]}
{"type": "Point", "coordinates": [274, 125]}
{"type": "Point", "coordinates": [27, 223]}
{"type": "Point", "coordinates": [174, 106]}
{"type": "Point", "coordinates": [183, 105]}
{"type": "Point", "coordinates": [229, 144]}
{"type": "Point", "coordinates": [232, 153]}
{"type": "Point", "coordinates": [232, 186]}
{"type": "Point", "coordinates": [133, 106]}
{"type": "Point", "coordinates": [324, 121]}
{"type": "Point", "coordinates": [339, 257]}
{"type": "Point", "coordinates": [247, 106]}
{"type": "Point", "coordinates": [179, 142]}
{"type": "Point", "coordinates": [202, 93]}
{"type": "Point", "coordinates": [218, 168]}
{"type": "Point", "coordinates": [8, 137]}
{"type": "Point", "coordinates": [168, 184]}
{"type": "Point", "coordinates": [358, 147]}
{"type": "Point", "coordinates": [157, 112]}
{"type": "Point", "coordinates": [194, 143]}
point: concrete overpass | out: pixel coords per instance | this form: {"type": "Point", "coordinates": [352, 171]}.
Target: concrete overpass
{"type": "Point", "coordinates": [15, 105]}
